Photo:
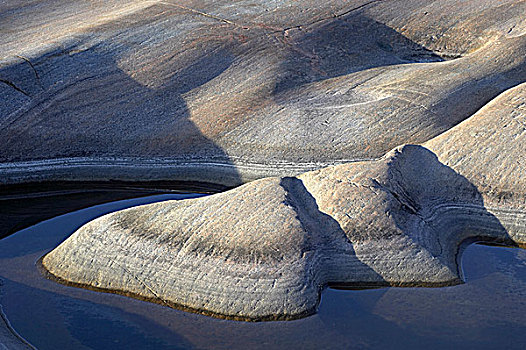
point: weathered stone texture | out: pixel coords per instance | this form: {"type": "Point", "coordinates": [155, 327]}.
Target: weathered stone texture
{"type": "Point", "coordinates": [228, 92]}
{"type": "Point", "coordinates": [265, 250]}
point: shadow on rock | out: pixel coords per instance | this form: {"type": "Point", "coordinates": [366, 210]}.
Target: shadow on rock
{"type": "Point", "coordinates": [77, 102]}
{"type": "Point", "coordinates": [438, 208]}
{"type": "Point", "coordinates": [345, 45]}
{"type": "Point", "coordinates": [325, 236]}
{"type": "Point", "coordinates": [102, 111]}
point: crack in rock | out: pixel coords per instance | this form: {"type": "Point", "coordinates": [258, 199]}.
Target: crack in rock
{"type": "Point", "coordinates": [11, 84]}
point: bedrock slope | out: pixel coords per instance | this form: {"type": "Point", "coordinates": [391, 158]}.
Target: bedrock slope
{"type": "Point", "coordinates": [231, 91]}
{"type": "Point", "coordinates": [265, 250]}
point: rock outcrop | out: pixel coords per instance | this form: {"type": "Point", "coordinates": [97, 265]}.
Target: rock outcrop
{"type": "Point", "coordinates": [265, 250]}
{"type": "Point", "coordinates": [230, 91]}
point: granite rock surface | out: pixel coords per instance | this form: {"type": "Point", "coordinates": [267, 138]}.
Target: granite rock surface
{"type": "Point", "coordinates": [265, 250]}
{"type": "Point", "coordinates": [230, 91]}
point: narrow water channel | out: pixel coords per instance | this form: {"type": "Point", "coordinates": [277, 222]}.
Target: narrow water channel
{"type": "Point", "coordinates": [487, 312]}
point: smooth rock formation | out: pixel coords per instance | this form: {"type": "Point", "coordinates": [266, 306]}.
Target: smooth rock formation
{"type": "Point", "coordinates": [265, 250]}
{"type": "Point", "coordinates": [230, 91]}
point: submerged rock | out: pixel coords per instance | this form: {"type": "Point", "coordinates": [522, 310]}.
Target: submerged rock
{"type": "Point", "coordinates": [265, 250]}
{"type": "Point", "coordinates": [230, 91]}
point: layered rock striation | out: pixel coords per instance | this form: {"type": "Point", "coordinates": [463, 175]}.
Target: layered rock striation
{"type": "Point", "coordinates": [230, 91]}
{"type": "Point", "coordinates": [265, 250]}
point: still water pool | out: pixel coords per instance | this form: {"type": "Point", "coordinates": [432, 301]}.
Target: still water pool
{"type": "Point", "coordinates": [487, 312]}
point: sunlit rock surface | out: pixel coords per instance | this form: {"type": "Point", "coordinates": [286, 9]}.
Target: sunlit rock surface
{"type": "Point", "coordinates": [265, 250]}
{"type": "Point", "coordinates": [230, 91]}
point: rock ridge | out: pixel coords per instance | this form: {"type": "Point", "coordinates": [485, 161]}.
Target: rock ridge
{"type": "Point", "coordinates": [266, 250]}
{"type": "Point", "coordinates": [248, 82]}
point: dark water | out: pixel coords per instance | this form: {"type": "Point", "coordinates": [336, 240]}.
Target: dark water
{"type": "Point", "coordinates": [27, 204]}
{"type": "Point", "coordinates": [488, 312]}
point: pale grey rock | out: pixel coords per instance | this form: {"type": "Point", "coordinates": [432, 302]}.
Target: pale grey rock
{"type": "Point", "coordinates": [231, 91]}
{"type": "Point", "coordinates": [489, 149]}
{"type": "Point", "coordinates": [265, 250]}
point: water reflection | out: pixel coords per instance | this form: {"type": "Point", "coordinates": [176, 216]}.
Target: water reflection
{"type": "Point", "coordinates": [486, 312]}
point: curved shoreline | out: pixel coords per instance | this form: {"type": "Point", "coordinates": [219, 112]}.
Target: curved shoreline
{"type": "Point", "coordinates": [166, 325]}
{"type": "Point", "coordinates": [47, 274]}
{"type": "Point", "coordinates": [14, 333]}
{"type": "Point", "coordinates": [398, 221]}
{"type": "Point", "coordinates": [283, 317]}
{"type": "Point", "coordinates": [26, 204]}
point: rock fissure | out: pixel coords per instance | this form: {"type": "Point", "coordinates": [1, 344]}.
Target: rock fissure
{"type": "Point", "coordinates": [37, 77]}
{"type": "Point", "coordinates": [405, 202]}
{"type": "Point", "coordinates": [285, 31]}
{"type": "Point", "coordinates": [18, 115]}
{"type": "Point", "coordinates": [11, 84]}
{"type": "Point", "coordinates": [201, 13]}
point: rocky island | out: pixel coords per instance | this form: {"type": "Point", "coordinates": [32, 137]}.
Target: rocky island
{"type": "Point", "coordinates": [374, 139]}
{"type": "Point", "coordinates": [265, 250]}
